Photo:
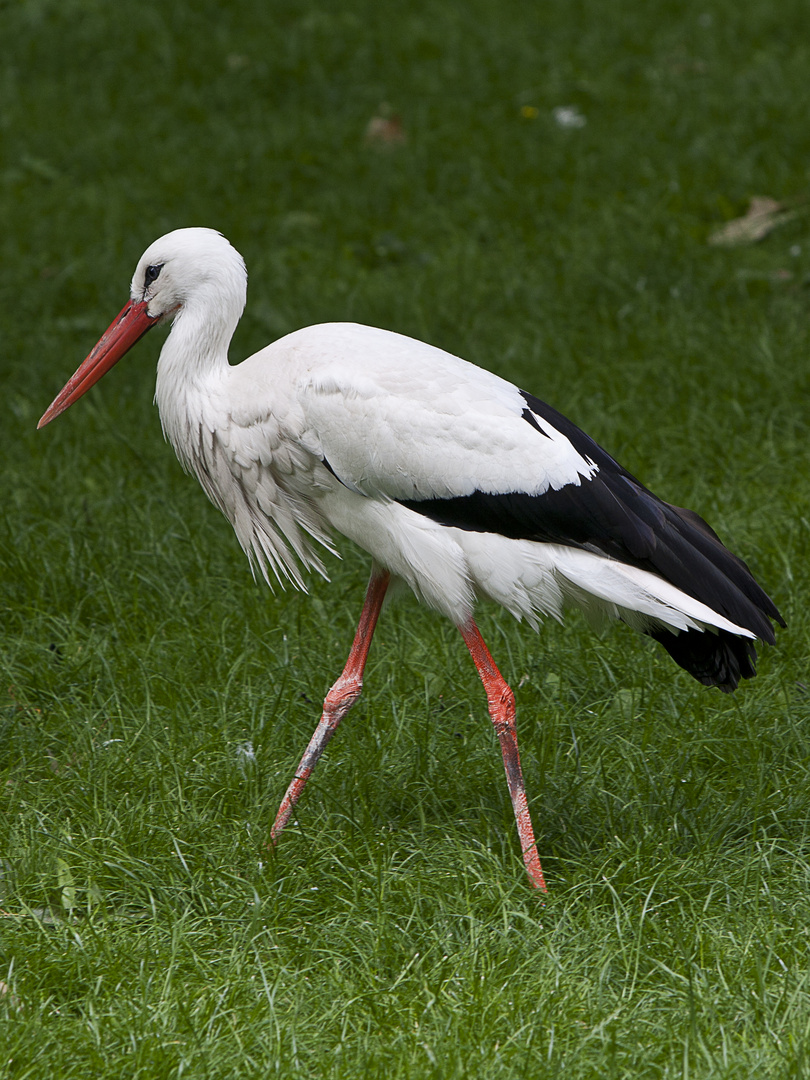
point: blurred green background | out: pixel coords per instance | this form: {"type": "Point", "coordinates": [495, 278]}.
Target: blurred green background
{"type": "Point", "coordinates": [535, 187]}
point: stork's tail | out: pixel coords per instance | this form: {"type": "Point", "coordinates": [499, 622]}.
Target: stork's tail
{"type": "Point", "coordinates": [718, 659]}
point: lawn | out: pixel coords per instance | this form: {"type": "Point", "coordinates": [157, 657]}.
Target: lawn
{"type": "Point", "coordinates": [154, 700]}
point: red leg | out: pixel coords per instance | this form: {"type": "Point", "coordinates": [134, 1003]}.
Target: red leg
{"type": "Point", "coordinates": [339, 699]}
{"type": "Point", "coordinates": [501, 703]}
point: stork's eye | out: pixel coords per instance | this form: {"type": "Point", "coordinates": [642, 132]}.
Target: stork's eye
{"type": "Point", "coordinates": [152, 273]}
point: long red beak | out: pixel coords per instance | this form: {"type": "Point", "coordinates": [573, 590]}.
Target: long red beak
{"type": "Point", "coordinates": [126, 328]}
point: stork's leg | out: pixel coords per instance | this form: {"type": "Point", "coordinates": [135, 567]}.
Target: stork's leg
{"type": "Point", "coordinates": [339, 699]}
{"type": "Point", "coordinates": [501, 703]}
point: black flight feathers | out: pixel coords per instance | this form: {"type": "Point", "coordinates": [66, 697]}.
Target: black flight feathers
{"type": "Point", "coordinates": [614, 515]}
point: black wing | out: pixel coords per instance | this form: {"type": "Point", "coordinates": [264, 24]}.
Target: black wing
{"type": "Point", "coordinates": [614, 515]}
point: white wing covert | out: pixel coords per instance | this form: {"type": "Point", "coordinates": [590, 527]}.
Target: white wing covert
{"type": "Point", "coordinates": [412, 422]}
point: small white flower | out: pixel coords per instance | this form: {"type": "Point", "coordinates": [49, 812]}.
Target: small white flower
{"type": "Point", "coordinates": [245, 755]}
{"type": "Point", "coordinates": [569, 116]}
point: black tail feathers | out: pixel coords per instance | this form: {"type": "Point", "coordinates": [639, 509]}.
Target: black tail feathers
{"type": "Point", "coordinates": [718, 659]}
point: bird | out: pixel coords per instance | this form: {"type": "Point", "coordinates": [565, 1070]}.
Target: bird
{"type": "Point", "coordinates": [452, 479]}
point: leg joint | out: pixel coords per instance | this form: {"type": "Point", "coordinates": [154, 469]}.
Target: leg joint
{"type": "Point", "coordinates": [343, 695]}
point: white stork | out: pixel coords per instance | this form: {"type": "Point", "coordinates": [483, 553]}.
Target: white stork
{"type": "Point", "coordinates": [452, 479]}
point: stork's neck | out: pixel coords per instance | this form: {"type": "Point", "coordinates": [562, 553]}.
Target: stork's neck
{"type": "Point", "coordinates": [192, 369]}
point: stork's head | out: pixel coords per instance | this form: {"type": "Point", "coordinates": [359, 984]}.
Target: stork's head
{"type": "Point", "coordinates": [188, 271]}
{"type": "Point", "coordinates": [189, 267]}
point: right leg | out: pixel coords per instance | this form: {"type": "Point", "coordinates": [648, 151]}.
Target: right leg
{"type": "Point", "coordinates": [339, 699]}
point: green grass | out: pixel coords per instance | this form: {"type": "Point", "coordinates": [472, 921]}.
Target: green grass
{"type": "Point", "coordinates": [145, 931]}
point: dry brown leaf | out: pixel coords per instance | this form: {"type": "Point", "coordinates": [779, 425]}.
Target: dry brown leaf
{"type": "Point", "coordinates": [385, 128]}
{"type": "Point", "coordinates": [762, 216]}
